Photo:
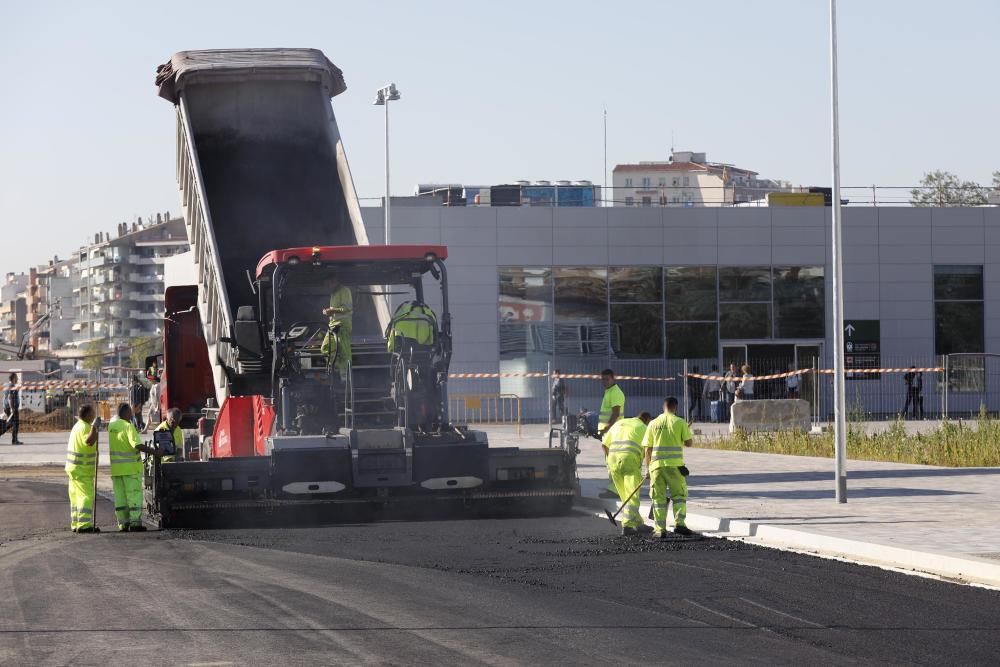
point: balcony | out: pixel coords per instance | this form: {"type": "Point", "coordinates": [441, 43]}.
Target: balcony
{"type": "Point", "coordinates": [145, 298]}
{"type": "Point", "coordinates": [144, 279]}
{"type": "Point", "coordinates": [139, 260]}
{"type": "Point", "coordinates": [140, 315]}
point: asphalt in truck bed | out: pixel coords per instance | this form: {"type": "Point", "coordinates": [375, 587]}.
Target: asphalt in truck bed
{"type": "Point", "coordinates": [547, 590]}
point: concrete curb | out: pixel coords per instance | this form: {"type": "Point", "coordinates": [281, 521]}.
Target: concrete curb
{"type": "Point", "coordinates": [961, 569]}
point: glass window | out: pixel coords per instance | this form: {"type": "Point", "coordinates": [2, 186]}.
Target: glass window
{"type": "Point", "coordinates": [692, 340]}
{"type": "Point", "coordinates": [525, 294]}
{"type": "Point", "coordinates": [745, 283]}
{"type": "Point", "coordinates": [647, 201]}
{"type": "Point", "coordinates": [628, 182]}
{"type": "Point", "coordinates": [958, 327]}
{"type": "Point", "coordinates": [744, 320]}
{"type": "Point", "coordinates": [525, 341]}
{"type": "Point", "coordinates": [636, 284]}
{"type": "Point", "coordinates": [645, 181]}
{"type": "Point", "coordinates": [799, 305]}
{"type": "Point", "coordinates": [579, 339]}
{"type": "Point", "coordinates": [690, 293]}
{"type": "Point", "coordinates": [636, 330]}
{"type": "Point", "coordinates": [581, 294]}
{"type": "Point", "coordinates": [629, 201]}
{"type": "Point", "coordinates": [958, 282]}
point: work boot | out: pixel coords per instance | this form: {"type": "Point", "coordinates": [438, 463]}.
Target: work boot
{"type": "Point", "coordinates": [137, 528]}
{"type": "Point", "coordinates": [607, 495]}
{"type": "Point", "coordinates": [123, 529]}
{"type": "Point", "coordinates": [643, 529]}
{"type": "Point", "coordinates": [683, 530]}
{"type": "Point", "coordinates": [89, 529]}
{"type": "Point", "coordinates": [661, 534]}
{"type": "Point", "coordinates": [628, 531]}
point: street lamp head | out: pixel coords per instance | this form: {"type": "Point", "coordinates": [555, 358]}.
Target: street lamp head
{"type": "Point", "coordinates": [379, 98]}
{"type": "Point", "coordinates": [393, 92]}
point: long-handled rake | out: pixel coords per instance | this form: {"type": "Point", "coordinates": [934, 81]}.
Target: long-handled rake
{"type": "Point", "coordinates": [613, 517]}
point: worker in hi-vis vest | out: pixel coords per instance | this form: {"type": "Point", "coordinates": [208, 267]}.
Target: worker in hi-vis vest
{"type": "Point", "coordinates": [81, 468]}
{"type": "Point", "coordinates": [413, 321]}
{"type": "Point", "coordinates": [337, 342]}
{"type": "Point", "coordinates": [612, 409]}
{"type": "Point", "coordinates": [623, 449]}
{"type": "Point", "coordinates": [124, 446]}
{"type": "Point", "coordinates": [664, 442]}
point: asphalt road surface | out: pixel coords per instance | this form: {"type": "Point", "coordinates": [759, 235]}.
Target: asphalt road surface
{"type": "Point", "coordinates": [518, 591]}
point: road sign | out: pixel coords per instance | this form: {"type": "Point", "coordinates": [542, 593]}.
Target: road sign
{"type": "Point", "coordinates": [862, 343]}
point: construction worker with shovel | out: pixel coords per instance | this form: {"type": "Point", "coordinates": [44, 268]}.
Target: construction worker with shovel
{"type": "Point", "coordinates": [124, 445]}
{"type": "Point", "coordinates": [623, 448]}
{"type": "Point", "coordinates": [664, 442]}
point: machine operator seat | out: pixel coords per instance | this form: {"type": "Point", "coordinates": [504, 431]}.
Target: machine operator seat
{"type": "Point", "coordinates": [249, 339]}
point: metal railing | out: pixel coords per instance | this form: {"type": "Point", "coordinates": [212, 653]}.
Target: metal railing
{"type": "Point", "coordinates": [878, 388]}
{"type": "Point", "coordinates": [486, 409]}
{"type": "Point", "coordinates": [216, 314]}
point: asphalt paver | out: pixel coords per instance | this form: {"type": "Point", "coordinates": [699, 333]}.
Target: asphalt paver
{"type": "Point", "coordinates": [495, 591]}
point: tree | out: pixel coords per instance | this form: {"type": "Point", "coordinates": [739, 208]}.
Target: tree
{"type": "Point", "coordinates": [996, 180]}
{"type": "Point", "coordinates": [943, 188]}
{"type": "Point", "coordinates": [143, 347]}
{"type": "Point", "coordinates": [95, 351]}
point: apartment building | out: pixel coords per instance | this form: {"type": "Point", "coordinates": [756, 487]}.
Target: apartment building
{"type": "Point", "coordinates": [13, 309]}
{"type": "Point", "coordinates": [688, 179]}
{"type": "Point", "coordinates": [118, 281]}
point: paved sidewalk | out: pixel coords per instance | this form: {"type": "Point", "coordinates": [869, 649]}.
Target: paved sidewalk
{"type": "Point", "coordinates": [944, 521]}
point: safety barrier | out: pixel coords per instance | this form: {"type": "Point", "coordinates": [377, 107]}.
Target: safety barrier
{"type": "Point", "coordinates": [486, 409]}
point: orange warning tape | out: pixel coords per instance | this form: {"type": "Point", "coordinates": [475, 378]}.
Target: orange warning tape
{"type": "Point", "coordinates": [70, 384]}
{"type": "Point", "coordinates": [566, 376]}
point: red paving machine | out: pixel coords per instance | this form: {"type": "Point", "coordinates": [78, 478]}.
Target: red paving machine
{"type": "Point", "coordinates": [279, 421]}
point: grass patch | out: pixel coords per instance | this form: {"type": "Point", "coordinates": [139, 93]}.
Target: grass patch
{"type": "Point", "coordinates": [953, 444]}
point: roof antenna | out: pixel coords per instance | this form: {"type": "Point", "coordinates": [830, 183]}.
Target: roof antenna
{"type": "Point", "coordinates": [671, 144]}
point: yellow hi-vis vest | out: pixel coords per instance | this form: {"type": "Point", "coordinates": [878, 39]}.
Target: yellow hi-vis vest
{"type": "Point", "coordinates": [81, 458]}
{"type": "Point", "coordinates": [341, 345]}
{"type": "Point", "coordinates": [666, 435]}
{"type": "Point", "coordinates": [123, 438]}
{"type": "Point", "coordinates": [412, 320]}
{"type": "Point", "coordinates": [178, 441]}
{"type": "Point", "coordinates": [613, 396]}
{"type": "Point", "coordinates": [625, 437]}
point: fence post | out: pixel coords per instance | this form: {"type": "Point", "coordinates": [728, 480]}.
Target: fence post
{"type": "Point", "coordinates": [548, 388]}
{"type": "Point", "coordinates": [687, 404]}
{"type": "Point", "coordinates": [815, 384]}
{"type": "Point", "coordinates": [947, 383]}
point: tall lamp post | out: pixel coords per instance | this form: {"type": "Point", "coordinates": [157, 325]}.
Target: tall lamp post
{"type": "Point", "coordinates": [382, 98]}
{"type": "Point", "coordinates": [839, 399]}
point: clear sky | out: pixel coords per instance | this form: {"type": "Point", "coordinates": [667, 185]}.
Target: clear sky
{"type": "Point", "coordinates": [498, 91]}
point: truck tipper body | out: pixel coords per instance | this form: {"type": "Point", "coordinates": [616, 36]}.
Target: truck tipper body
{"type": "Point", "coordinates": [286, 419]}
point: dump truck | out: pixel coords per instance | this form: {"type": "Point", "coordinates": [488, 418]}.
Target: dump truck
{"type": "Point", "coordinates": [284, 413]}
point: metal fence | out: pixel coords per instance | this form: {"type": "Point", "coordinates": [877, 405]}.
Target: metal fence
{"type": "Point", "coordinates": [877, 389]}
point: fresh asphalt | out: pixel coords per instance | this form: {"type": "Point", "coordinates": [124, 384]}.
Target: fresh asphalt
{"type": "Point", "coordinates": [539, 591]}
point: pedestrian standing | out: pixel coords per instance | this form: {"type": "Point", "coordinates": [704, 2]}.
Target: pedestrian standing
{"type": "Point", "coordinates": [792, 383]}
{"type": "Point", "coordinates": [153, 410]}
{"type": "Point", "coordinates": [695, 389]}
{"type": "Point", "coordinates": [137, 396]}
{"type": "Point", "coordinates": [612, 409]}
{"type": "Point", "coordinates": [729, 384]}
{"type": "Point", "coordinates": [558, 396]}
{"type": "Point", "coordinates": [914, 393]}
{"type": "Point", "coordinates": [623, 449]}
{"type": "Point", "coordinates": [124, 446]}
{"type": "Point", "coordinates": [745, 391]}
{"type": "Point", "coordinates": [713, 391]}
{"type": "Point", "coordinates": [12, 408]}
{"type": "Point", "coordinates": [664, 442]}
{"type": "Point", "coordinates": [81, 468]}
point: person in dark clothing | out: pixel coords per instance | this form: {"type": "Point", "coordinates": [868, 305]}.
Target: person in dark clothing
{"type": "Point", "coordinates": [914, 392]}
{"type": "Point", "coordinates": [137, 397]}
{"type": "Point", "coordinates": [695, 388]}
{"type": "Point", "coordinates": [12, 408]}
{"type": "Point", "coordinates": [558, 396]}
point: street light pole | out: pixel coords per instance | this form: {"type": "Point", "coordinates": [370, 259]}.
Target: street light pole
{"type": "Point", "coordinates": [382, 98]}
{"type": "Point", "coordinates": [839, 388]}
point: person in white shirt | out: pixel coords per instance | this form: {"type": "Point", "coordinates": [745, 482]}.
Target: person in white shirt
{"type": "Point", "coordinates": [153, 415]}
{"type": "Point", "coordinates": [745, 390]}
